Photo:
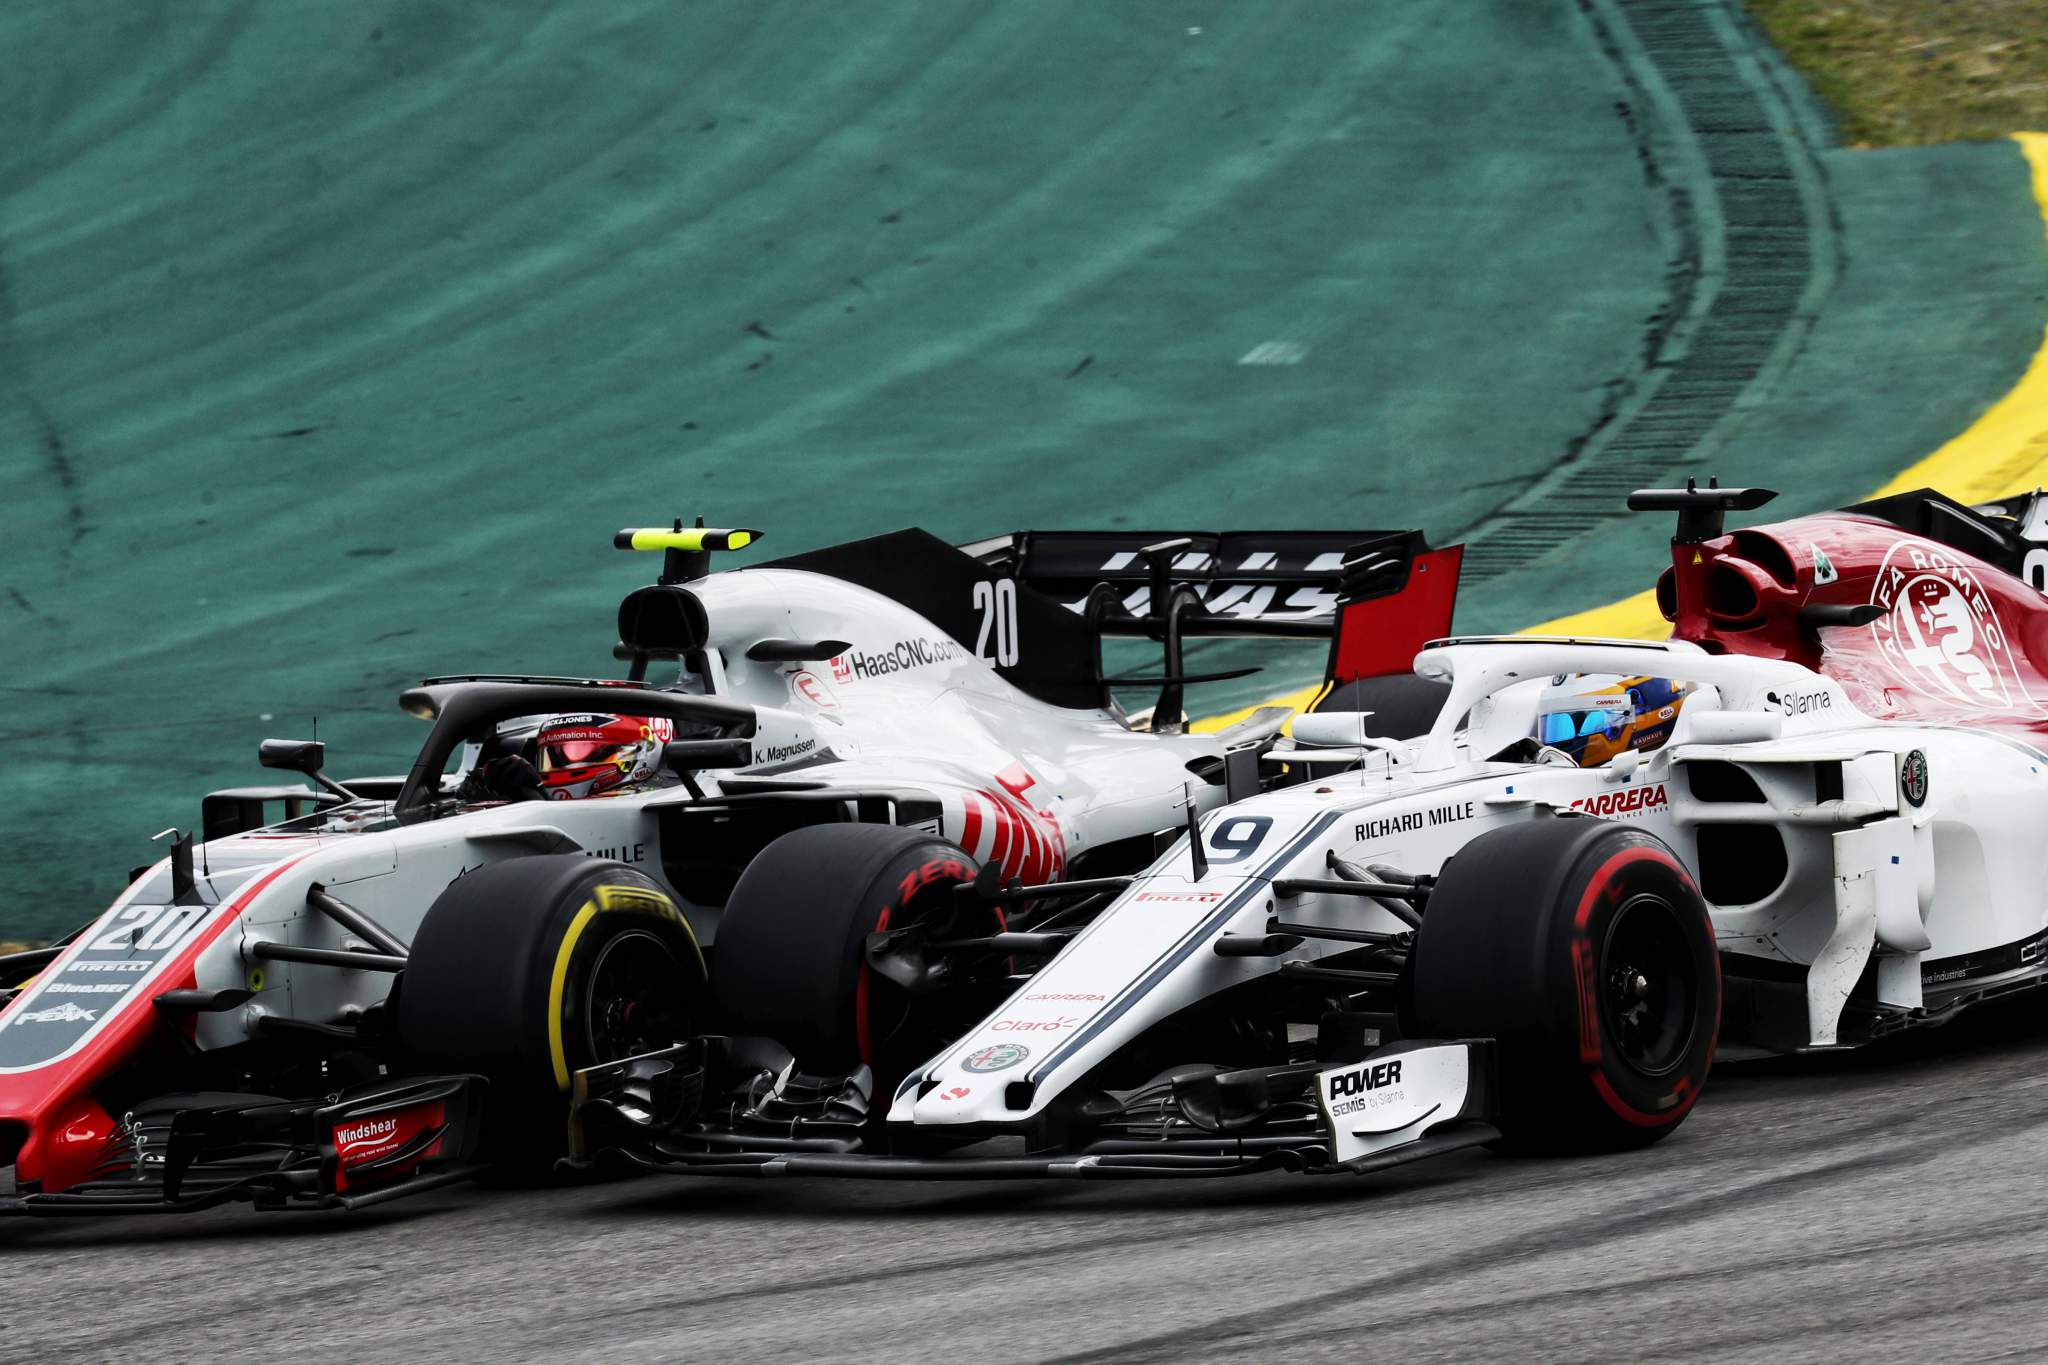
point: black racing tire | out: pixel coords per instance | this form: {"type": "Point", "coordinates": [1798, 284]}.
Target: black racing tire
{"type": "Point", "coordinates": [1403, 705]}
{"type": "Point", "coordinates": [1584, 950]}
{"type": "Point", "coordinates": [528, 970]}
{"type": "Point", "coordinates": [790, 961]}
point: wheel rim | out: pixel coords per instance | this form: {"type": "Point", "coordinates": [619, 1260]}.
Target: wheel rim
{"type": "Point", "coordinates": [1649, 985]}
{"type": "Point", "coordinates": [634, 1002]}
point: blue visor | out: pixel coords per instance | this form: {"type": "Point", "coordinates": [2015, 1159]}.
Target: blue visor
{"type": "Point", "coordinates": [1560, 726]}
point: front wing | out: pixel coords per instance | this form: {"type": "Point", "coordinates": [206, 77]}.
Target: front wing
{"type": "Point", "coordinates": [348, 1150]}
{"type": "Point", "coordinates": [1402, 1103]}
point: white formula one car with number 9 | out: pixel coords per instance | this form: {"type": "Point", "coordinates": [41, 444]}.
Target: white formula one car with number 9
{"type": "Point", "coordinates": [1441, 931]}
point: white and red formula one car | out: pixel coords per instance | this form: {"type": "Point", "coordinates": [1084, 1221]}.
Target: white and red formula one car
{"type": "Point", "coordinates": [353, 1002]}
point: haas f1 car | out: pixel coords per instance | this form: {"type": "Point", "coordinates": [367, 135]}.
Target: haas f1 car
{"type": "Point", "coordinates": [399, 978]}
{"type": "Point", "coordinates": [1450, 921]}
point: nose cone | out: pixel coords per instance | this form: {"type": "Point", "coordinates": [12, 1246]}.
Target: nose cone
{"type": "Point", "coordinates": [975, 1087]}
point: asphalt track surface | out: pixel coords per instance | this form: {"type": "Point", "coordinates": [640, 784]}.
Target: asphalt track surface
{"type": "Point", "coordinates": [1874, 1206]}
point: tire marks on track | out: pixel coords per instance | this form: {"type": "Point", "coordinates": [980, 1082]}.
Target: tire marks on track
{"type": "Point", "coordinates": [1744, 204]}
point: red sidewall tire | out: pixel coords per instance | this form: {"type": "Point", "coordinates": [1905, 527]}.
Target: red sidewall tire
{"type": "Point", "coordinates": [1535, 969]}
{"type": "Point", "coordinates": [790, 962]}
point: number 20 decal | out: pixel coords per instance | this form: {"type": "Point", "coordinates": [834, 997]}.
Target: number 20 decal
{"type": "Point", "coordinates": [163, 934]}
{"type": "Point", "coordinates": [1238, 837]}
{"type": "Point", "coordinates": [997, 602]}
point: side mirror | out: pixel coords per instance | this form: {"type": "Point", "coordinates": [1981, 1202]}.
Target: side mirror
{"type": "Point", "coordinates": [306, 756]}
{"type": "Point", "coordinates": [688, 755]}
{"type": "Point", "coordinates": [1339, 730]}
{"type": "Point", "coordinates": [685, 757]}
{"type": "Point", "coordinates": [1726, 727]}
{"type": "Point", "coordinates": [1623, 765]}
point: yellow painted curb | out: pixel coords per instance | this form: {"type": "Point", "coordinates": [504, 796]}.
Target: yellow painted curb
{"type": "Point", "coordinates": [2003, 452]}
{"type": "Point", "coordinates": [2006, 450]}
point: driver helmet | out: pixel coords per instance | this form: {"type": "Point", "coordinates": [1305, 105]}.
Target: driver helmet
{"type": "Point", "coordinates": [598, 755]}
{"type": "Point", "coordinates": [1595, 716]}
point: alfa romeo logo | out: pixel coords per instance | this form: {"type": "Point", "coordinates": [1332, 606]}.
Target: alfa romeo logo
{"type": "Point", "coordinates": [998, 1058]}
{"type": "Point", "coordinates": [1913, 778]}
{"type": "Point", "coordinates": [1940, 632]}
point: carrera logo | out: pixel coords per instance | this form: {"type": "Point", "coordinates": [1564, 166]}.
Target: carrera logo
{"type": "Point", "coordinates": [1940, 632]}
{"type": "Point", "coordinates": [1630, 802]}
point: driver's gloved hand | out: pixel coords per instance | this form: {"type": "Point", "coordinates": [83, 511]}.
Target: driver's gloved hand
{"type": "Point", "coordinates": [510, 778]}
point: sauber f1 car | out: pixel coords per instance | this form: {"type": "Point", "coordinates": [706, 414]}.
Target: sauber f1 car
{"type": "Point", "coordinates": [399, 978]}
{"type": "Point", "coordinates": [1433, 937]}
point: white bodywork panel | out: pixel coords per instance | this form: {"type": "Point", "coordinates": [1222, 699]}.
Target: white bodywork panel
{"type": "Point", "coordinates": [1386, 1101]}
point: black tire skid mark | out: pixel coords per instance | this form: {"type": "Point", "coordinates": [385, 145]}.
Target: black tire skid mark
{"type": "Point", "coordinates": [1722, 338]}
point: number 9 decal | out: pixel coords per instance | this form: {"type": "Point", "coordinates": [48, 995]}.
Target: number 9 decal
{"type": "Point", "coordinates": [1238, 837]}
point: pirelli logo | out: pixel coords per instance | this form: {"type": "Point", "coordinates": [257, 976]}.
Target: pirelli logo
{"type": "Point", "coordinates": [637, 899]}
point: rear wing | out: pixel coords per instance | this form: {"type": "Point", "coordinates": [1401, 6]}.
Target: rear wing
{"type": "Point", "coordinates": [1268, 582]}
{"type": "Point", "coordinates": [1378, 596]}
{"type": "Point", "coordinates": [1038, 604]}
